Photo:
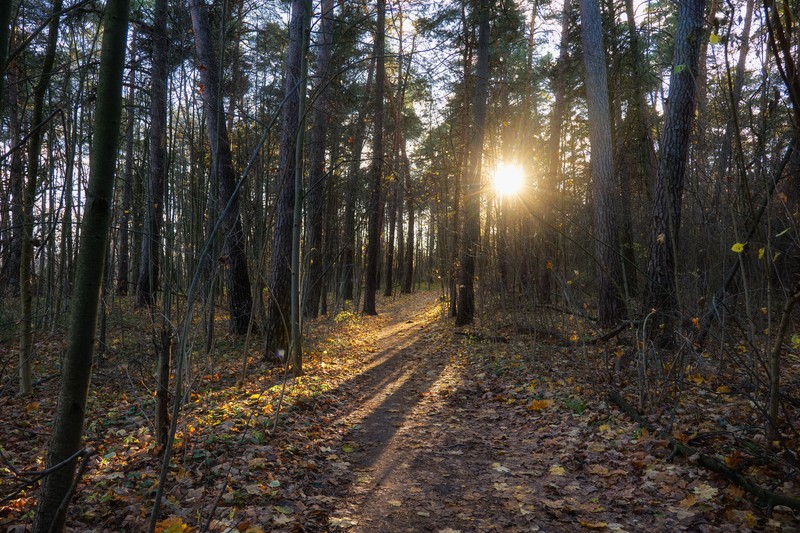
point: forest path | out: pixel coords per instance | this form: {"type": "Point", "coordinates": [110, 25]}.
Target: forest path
{"type": "Point", "coordinates": [426, 442]}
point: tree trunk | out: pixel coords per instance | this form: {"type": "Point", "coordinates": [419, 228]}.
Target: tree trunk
{"type": "Point", "coordinates": [317, 181]}
{"type": "Point", "coordinates": [70, 413]}
{"type": "Point", "coordinates": [408, 257]}
{"type": "Point", "coordinates": [277, 327]}
{"type": "Point", "coordinates": [675, 140]}
{"type": "Point", "coordinates": [376, 179]}
{"type": "Point", "coordinates": [28, 198]}
{"type": "Point", "coordinates": [611, 306]}
{"type": "Point", "coordinates": [150, 258]}
{"type": "Point", "coordinates": [9, 276]}
{"type": "Point", "coordinates": [5, 37]}
{"type": "Point", "coordinates": [240, 300]}
{"type": "Point", "coordinates": [123, 266]}
{"type": "Point", "coordinates": [453, 269]}
{"type": "Point", "coordinates": [471, 235]}
{"type": "Point", "coordinates": [553, 164]}
{"type": "Point", "coordinates": [389, 278]}
{"type": "Point", "coordinates": [295, 345]}
{"type": "Point", "coordinates": [353, 174]}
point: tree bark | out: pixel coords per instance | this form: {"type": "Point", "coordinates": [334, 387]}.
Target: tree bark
{"type": "Point", "coordinates": [76, 374]}
{"type": "Point", "coordinates": [408, 270]}
{"type": "Point", "coordinates": [9, 276]}
{"type": "Point", "coordinates": [240, 299]}
{"type": "Point", "coordinates": [675, 140]}
{"type": "Point", "coordinates": [376, 179]}
{"type": "Point", "coordinates": [28, 198]}
{"type": "Point", "coordinates": [611, 305]}
{"type": "Point", "coordinates": [471, 234]}
{"type": "Point", "coordinates": [277, 327]}
{"type": "Point", "coordinates": [150, 257]}
{"type": "Point", "coordinates": [553, 164]}
{"type": "Point", "coordinates": [123, 266]}
{"type": "Point", "coordinates": [317, 181]}
{"type": "Point", "coordinates": [5, 37]}
{"type": "Point", "coordinates": [353, 174]}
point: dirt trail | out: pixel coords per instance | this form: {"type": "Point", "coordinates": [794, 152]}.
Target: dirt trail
{"type": "Point", "coordinates": [423, 450]}
{"type": "Point", "coordinates": [427, 442]}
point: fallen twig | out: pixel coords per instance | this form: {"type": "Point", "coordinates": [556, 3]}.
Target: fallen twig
{"type": "Point", "coordinates": [767, 497]}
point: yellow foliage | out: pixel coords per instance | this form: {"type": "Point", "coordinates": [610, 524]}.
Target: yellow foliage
{"type": "Point", "coordinates": [538, 405]}
{"type": "Point", "coordinates": [173, 524]}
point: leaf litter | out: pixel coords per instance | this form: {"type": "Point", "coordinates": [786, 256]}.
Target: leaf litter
{"type": "Point", "coordinates": [398, 425]}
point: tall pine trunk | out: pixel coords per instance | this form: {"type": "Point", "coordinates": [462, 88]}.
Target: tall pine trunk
{"type": "Point", "coordinates": [240, 299]}
{"type": "Point", "coordinates": [317, 181]}
{"type": "Point", "coordinates": [675, 140]}
{"type": "Point", "coordinates": [471, 235]}
{"type": "Point", "coordinates": [353, 175]}
{"type": "Point", "coordinates": [5, 37]}
{"type": "Point", "coordinates": [553, 164]}
{"type": "Point", "coordinates": [76, 373]}
{"type": "Point", "coordinates": [277, 327]}
{"type": "Point", "coordinates": [28, 198]}
{"type": "Point", "coordinates": [150, 257]}
{"type": "Point", "coordinates": [610, 282]}
{"type": "Point", "coordinates": [376, 171]}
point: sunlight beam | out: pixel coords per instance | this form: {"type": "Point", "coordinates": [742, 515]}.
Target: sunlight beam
{"type": "Point", "coordinates": [508, 179]}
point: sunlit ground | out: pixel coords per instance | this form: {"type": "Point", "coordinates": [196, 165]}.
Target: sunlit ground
{"type": "Point", "coordinates": [509, 179]}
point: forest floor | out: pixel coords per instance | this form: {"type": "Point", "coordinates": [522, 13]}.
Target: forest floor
{"type": "Point", "coordinates": [401, 423]}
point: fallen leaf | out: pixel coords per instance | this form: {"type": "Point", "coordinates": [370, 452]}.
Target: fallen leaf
{"type": "Point", "coordinates": [593, 525]}
{"type": "Point", "coordinates": [556, 470]}
{"type": "Point", "coordinates": [538, 405]}
{"type": "Point", "coordinates": [599, 470]}
{"type": "Point", "coordinates": [344, 522]}
{"type": "Point", "coordinates": [173, 524]}
{"type": "Point", "coordinates": [282, 519]}
{"type": "Point", "coordinates": [688, 501]}
{"type": "Point", "coordinates": [500, 468]}
{"type": "Point", "coordinates": [704, 491]}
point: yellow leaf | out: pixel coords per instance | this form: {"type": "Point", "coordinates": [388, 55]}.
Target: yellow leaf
{"type": "Point", "coordinates": [738, 247]}
{"type": "Point", "coordinates": [713, 39]}
{"type": "Point", "coordinates": [723, 389]}
{"type": "Point", "coordinates": [761, 253]}
{"type": "Point", "coordinates": [599, 470]}
{"type": "Point", "coordinates": [557, 470]}
{"type": "Point", "coordinates": [696, 378]}
{"type": "Point", "coordinates": [704, 491]}
{"type": "Point", "coordinates": [171, 525]}
{"type": "Point", "coordinates": [538, 405]}
{"type": "Point", "coordinates": [688, 501]}
{"type": "Point", "coordinates": [593, 525]}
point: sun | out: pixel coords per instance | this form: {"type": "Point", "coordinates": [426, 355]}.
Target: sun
{"type": "Point", "coordinates": [508, 179]}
